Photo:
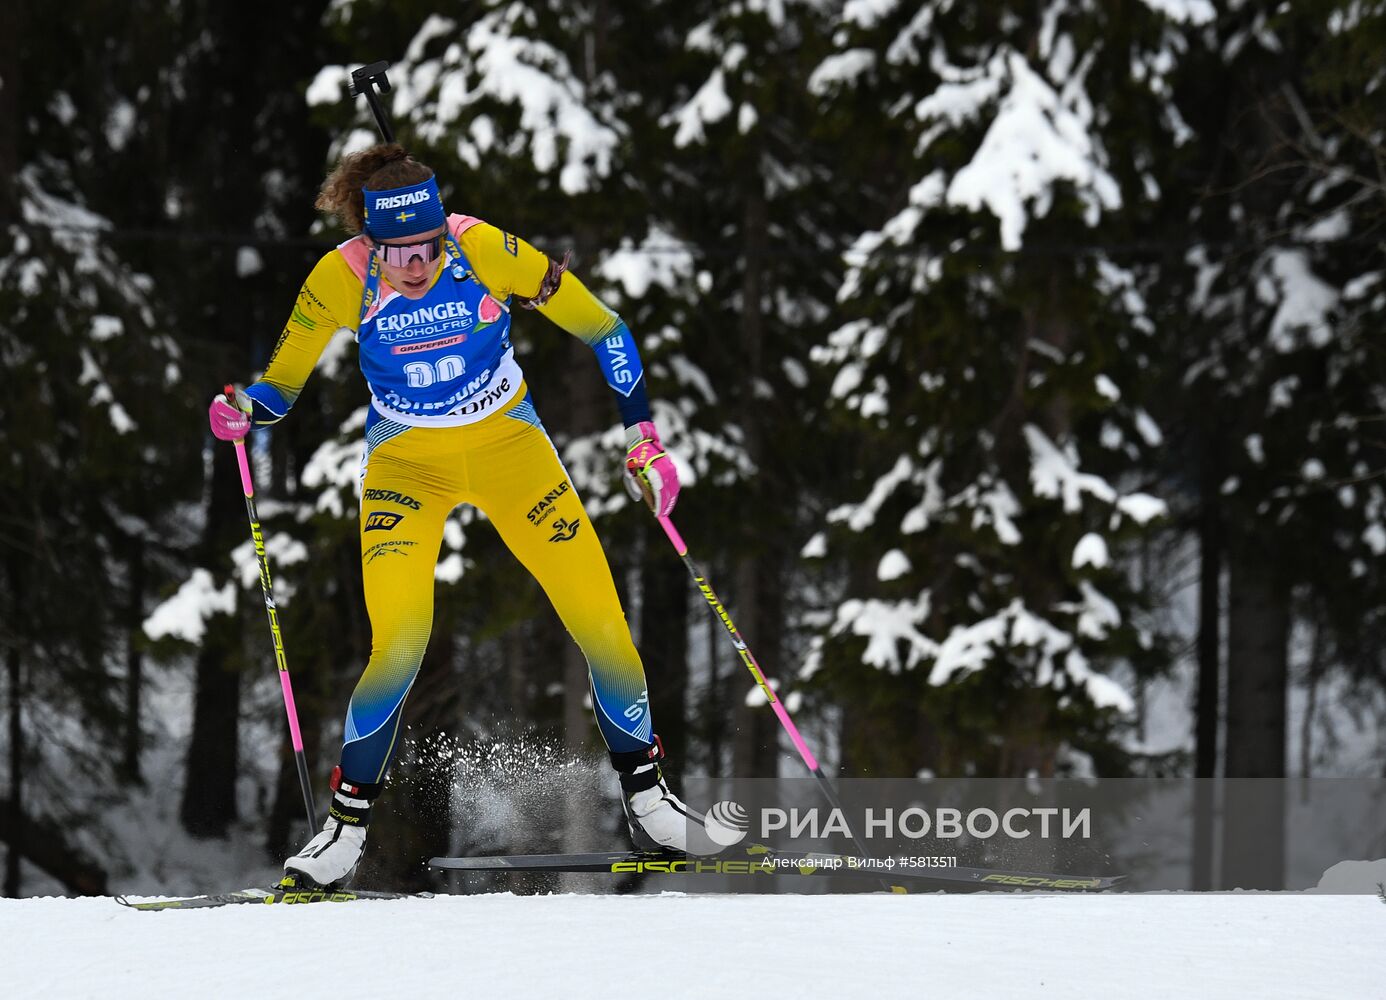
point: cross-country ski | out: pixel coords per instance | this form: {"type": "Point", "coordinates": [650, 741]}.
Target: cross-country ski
{"type": "Point", "coordinates": [275, 895]}
{"type": "Point", "coordinates": [771, 863]}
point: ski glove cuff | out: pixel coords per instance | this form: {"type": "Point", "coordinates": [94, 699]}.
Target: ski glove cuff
{"type": "Point", "coordinates": [230, 418]}
{"type": "Point", "coordinates": [650, 472]}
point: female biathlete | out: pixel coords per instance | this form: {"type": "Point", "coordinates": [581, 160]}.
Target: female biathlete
{"type": "Point", "coordinates": [451, 421]}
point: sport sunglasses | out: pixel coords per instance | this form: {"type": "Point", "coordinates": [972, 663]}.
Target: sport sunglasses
{"type": "Point", "coordinates": [400, 254]}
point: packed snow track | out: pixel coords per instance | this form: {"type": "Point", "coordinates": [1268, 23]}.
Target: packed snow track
{"type": "Point", "coordinates": [670, 945]}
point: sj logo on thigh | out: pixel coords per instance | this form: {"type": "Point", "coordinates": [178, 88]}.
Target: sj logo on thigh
{"type": "Point", "coordinates": [564, 530]}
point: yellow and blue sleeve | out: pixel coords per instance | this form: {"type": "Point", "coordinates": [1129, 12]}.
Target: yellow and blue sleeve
{"type": "Point", "coordinates": [325, 304]}
{"type": "Point", "coordinates": [509, 266]}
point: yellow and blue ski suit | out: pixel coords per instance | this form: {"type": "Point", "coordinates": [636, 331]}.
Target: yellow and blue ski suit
{"type": "Point", "coordinates": [452, 422]}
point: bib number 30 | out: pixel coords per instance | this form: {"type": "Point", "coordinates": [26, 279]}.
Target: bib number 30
{"type": "Point", "coordinates": [422, 374]}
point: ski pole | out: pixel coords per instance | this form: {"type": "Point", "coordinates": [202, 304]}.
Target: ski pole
{"type": "Point", "coordinates": [748, 658]}
{"type": "Point", "coordinates": [295, 735]}
{"type": "Point", "coordinates": [365, 81]}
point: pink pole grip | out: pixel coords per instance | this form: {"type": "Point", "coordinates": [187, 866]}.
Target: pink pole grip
{"type": "Point", "coordinates": [246, 487]}
{"type": "Point", "coordinates": [294, 734]}
{"type": "Point", "coordinates": [674, 536]}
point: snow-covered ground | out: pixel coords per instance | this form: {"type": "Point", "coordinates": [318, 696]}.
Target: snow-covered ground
{"type": "Point", "coordinates": [658, 946]}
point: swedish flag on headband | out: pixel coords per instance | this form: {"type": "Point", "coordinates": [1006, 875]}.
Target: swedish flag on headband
{"type": "Point", "coordinates": [404, 211]}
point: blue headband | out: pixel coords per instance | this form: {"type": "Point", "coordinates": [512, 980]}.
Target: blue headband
{"type": "Point", "coordinates": [404, 211]}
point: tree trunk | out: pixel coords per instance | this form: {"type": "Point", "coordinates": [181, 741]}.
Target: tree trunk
{"type": "Point", "coordinates": [1314, 675]}
{"type": "Point", "coordinates": [11, 25]}
{"type": "Point", "coordinates": [286, 807]}
{"type": "Point", "coordinates": [756, 740]}
{"type": "Point", "coordinates": [664, 644]}
{"type": "Point", "coordinates": [134, 663]}
{"type": "Point", "coordinates": [1258, 633]}
{"type": "Point", "coordinates": [209, 791]}
{"type": "Point", "coordinates": [1207, 707]}
{"type": "Point", "coordinates": [757, 608]}
{"type": "Point", "coordinates": [577, 723]}
{"type": "Point", "coordinates": [852, 749]}
{"type": "Point", "coordinates": [15, 804]}
{"type": "Point", "coordinates": [521, 675]}
{"type": "Point", "coordinates": [713, 713]}
{"type": "Point", "coordinates": [47, 848]}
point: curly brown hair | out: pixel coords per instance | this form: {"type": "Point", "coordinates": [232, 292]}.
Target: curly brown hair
{"type": "Point", "coordinates": [378, 168]}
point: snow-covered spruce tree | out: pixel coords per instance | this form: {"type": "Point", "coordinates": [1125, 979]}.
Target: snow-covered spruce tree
{"type": "Point", "coordinates": [223, 161]}
{"type": "Point", "coordinates": [1286, 307]}
{"type": "Point", "coordinates": [749, 183]}
{"type": "Point", "coordinates": [85, 372]}
{"type": "Point", "coordinates": [1345, 144]}
{"type": "Point", "coordinates": [181, 160]}
{"type": "Point", "coordinates": [1272, 384]}
{"type": "Point", "coordinates": [98, 478]}
{"type": "Point", "coordinates": [993, 370]}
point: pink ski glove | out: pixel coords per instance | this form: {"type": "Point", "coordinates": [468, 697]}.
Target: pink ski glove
{"type": "Point", "coordinates": [230, 418]}
{"type": "Point", "coordinates": [650, 472]}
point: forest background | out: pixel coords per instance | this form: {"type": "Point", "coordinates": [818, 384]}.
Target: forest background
{"type": "Point", "coordinates": [1024, 361]}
